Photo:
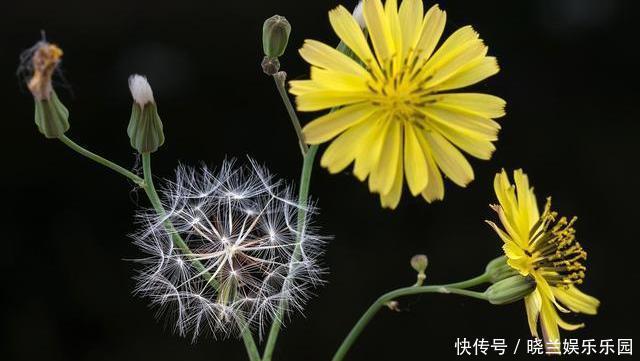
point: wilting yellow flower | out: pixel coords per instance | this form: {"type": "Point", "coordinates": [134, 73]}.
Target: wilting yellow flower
{"type": "Point", "coordinates": [396, 117]}
{"type": "Point", "coordinates": [545, 248]}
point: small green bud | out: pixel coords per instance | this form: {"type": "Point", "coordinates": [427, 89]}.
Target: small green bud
{"type": "Point", "coordinates": [275, 36]}
{"type": "Point", "coordinates": [145, 127]}
{"type": "Point", "coordinates": [52, 117]}
{"type": "Point", "coordinates": [419, 263]}
{"type": "Point", "coordinates": [498, 269]}
{"type": "Point", "coordinates": [510, 290]}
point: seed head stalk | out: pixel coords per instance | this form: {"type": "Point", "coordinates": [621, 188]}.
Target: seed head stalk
{"type": "Point", "coordinates": [147, 184]}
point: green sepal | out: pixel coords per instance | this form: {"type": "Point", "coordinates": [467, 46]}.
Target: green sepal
{"type": "Point", "coordinates": [51, 116]}
{"type": "Point", "coordinates": [145, 128]}
{"type": "Point", "coordinates": [510, 290]}
{"type": "Point", "coordinates": [498, 269]}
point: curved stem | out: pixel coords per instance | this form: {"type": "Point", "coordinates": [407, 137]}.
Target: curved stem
{"type": "Point", "coordinates": [279, 80]}
{"type": "Point", "coordinates": [303, 196]}
{"type": "Point", "coordinates": [98, 159]}
{"type": "Point", "coordinates": [150, 189]}
{"type": "Point", "coordinates": [454, 288]}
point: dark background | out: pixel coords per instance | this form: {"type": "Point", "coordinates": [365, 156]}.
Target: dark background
{"type": "Point", "coordinates": [567, 69]}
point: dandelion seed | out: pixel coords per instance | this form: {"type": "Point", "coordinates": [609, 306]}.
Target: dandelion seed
{"type": "Point", "coordinates": [241, 227]}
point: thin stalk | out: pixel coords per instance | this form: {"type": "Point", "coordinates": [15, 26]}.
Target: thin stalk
{"type": "Point", "coordinates": [98, 159]}
{"type": "Point", "coordinates": [454, 288]}
{"type": "Point", "coordinates": [279, 78]}
{"type": "Point", "coordinates": [150, 189]}
{"type": "Point", "coordinates": [303, 196]}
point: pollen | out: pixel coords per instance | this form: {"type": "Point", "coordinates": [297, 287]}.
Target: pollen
{"type": "Point", "coordinates": [555, 253]}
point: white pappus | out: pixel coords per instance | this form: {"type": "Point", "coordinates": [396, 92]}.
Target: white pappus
{"type": "Point", "coordinates": [243, 253]}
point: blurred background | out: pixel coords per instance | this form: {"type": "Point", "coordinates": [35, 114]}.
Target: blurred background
{"type": "Point", "coordinates": [572, 124]}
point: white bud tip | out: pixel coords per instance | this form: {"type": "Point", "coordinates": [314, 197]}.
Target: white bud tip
{"type": "Point", "coordinates": [140, 89]}
{"type": "Point", "coordinates": [359, 16]}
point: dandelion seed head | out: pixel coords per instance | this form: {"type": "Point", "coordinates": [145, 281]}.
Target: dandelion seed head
{"type": "Point", "coordinates": [245, 253]}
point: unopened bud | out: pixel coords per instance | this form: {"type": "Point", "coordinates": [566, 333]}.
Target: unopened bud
{"type": "Point", "coordinates": [359, 15]}
{"type": "Point", "coordinates": [510, 290]}
{"type": "Point", "coordinates": [419, 263]}
{"type": "Point", "coordinates": [498, 269]}
{"type": "Point", "coordinates": [51, 116]}
{"type": "Point", "coordinates": [145, 127]}
{"type": "Point", "coordinates": [275, 36]}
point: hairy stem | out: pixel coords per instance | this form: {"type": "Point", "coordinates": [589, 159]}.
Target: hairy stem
{"type": "Point", "coordinates": [279, 80]}
{"type": "Point", "coordinates": [455, 288]}
{"type": "Point", "coordinates": [98, 159]}
{"type": "Point", "coordinates": [303, 196]}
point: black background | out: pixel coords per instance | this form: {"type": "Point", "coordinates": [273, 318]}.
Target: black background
{"type": "Point", "coordinates": [567, 69]}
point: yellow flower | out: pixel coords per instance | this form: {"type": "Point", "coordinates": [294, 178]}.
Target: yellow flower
{"type": "Point", "coordinates": [396, 118]}
{"type": "Point", "coordinates": [545, 248]}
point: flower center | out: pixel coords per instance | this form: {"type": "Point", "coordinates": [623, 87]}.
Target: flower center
{"type": "Point", "coordinates": [554, 252]}
{"type": "Point", "coordinates": [398, 88]}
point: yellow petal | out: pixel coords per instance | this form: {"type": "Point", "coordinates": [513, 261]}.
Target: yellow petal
{"type": "Point", "coordinates": [456, 42]}
{"type": "Point", "coordinates": [472, 73]}
{"type": "Point", "coordinates": [549, 322]}
{"type": "Point", "coordinates": [434, 190]}
{"type": "Point", "coordinates": [310, 101]}
{"type": "Point", "coordinates": [524, 202]}
{"type": "Point", "coordinates": [447, 67]}
{"type": "Point", "coordinates": [350, 33]}
{"type": "Point", "coordinates": [472, 143]}
{"type": "Point", "coordinates": [533, 304]}
{"type": "Point", "coordinates": [485, 127]}
{"type": "Point", "coordinates": [576, 300]}
{"type": "Point", "coordinates": [415, 163]}
{"type": "Point", "coordinates": [381, 179]}
{"type": "Point", "coordinates": [449, 159]}
{"type": "Point", "coordinates": [369, 154]}
{"type": "Point", "coordinates": [343, 150]}
{"type": "Point", "coordinates": [339, 81]}
{"type": "Point", "coordinates": [324, 56]}
{"type": "Point", "coordinates": [331, 124]}
{"type": "Point", "coordinates": [379, 30]}
{"type": "Point", "coordinates": [484, 105]}
{"type": "Point", "coordinates": [393, 19]}
{"type": "Point", "coordinates": [410, 15]}
{"type": "Point", "coordinates": [432, 28]}
{"type": "Point", "coordinates": [391, 199]}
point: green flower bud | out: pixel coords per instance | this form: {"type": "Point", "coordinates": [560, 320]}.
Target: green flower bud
{"type": "Point", "coordinates": [419, 263]}
{"type": "Point", "coordinates": [510, 290]}
{"type": "Point", "coordinates": [498, 269]}
{"type": "Point", "coordinates": [52, 117]}
{"type": "Point", "coordinates": [275, 36]}
{"type": "Point", "coordinates": [145, 126]}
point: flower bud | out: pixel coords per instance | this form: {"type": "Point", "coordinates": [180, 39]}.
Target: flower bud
{"type": "Point", "coordinates": [145, 126]}
{"type": "Point", "coordinates": [498, 269]}
{"type": "Point", "coordinates": [51, 116]}
{"type": "Point", "coordinates": [419, 263]}
{"type": "Point", "coordinates": [358, 14]}
{"type": "Point", "coordinates": [275, 36]}
{"type": "Point", "coordinates": [510, 289]}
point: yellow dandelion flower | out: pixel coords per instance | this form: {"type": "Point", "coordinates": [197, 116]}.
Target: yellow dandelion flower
{"type": "Point", "coordinates": [396, 117]}
{"type": "Point", "coordinates": [544, 247]}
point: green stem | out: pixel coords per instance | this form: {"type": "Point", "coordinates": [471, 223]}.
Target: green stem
{"type": "Point", "coordinates": [455, 288]}
{"type": "Point", "coordinates": [279, 80]}
{"type": "Point", "coordinates": [150, 189]}
{"type": "Point", "coordinates": [303, 196]}
{"type": "Point", "coordinates": [107, 163]}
